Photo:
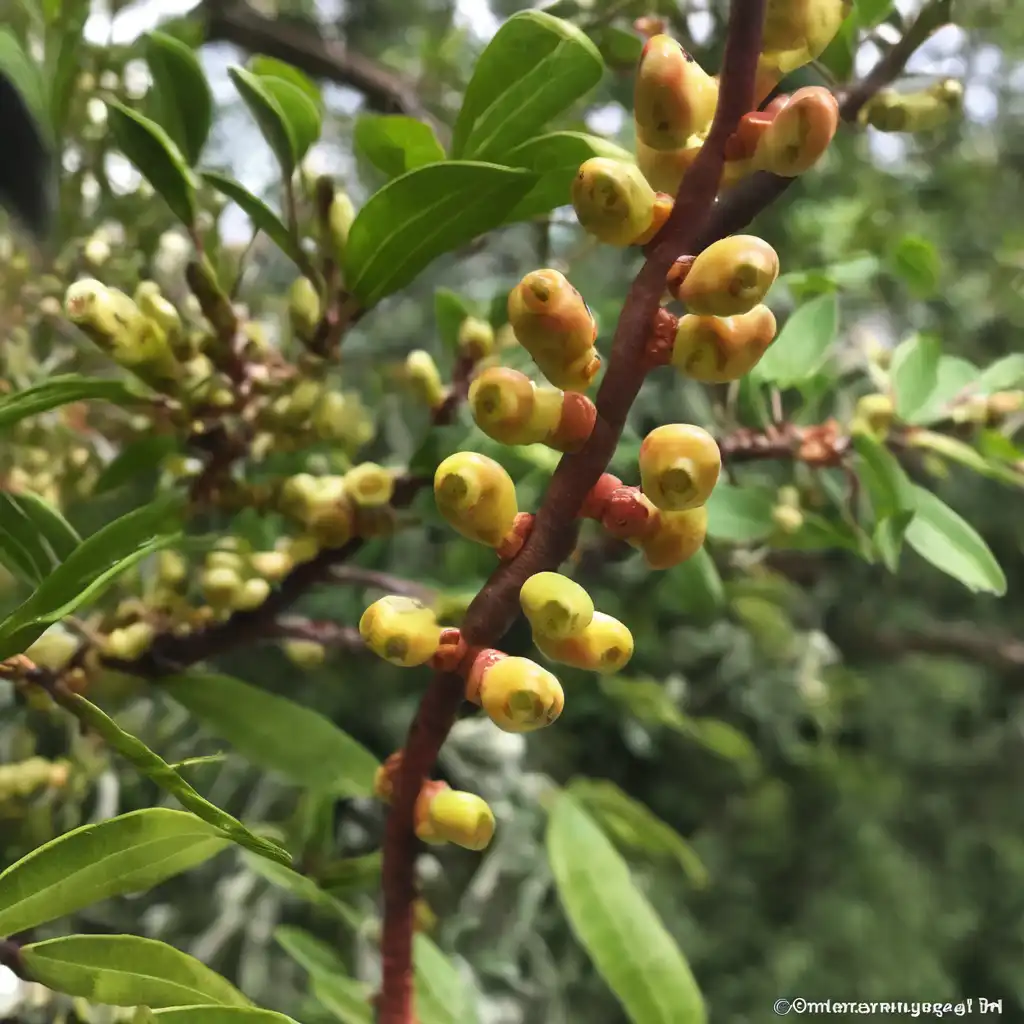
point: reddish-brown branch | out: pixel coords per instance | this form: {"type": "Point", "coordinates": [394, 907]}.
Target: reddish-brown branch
{"type": "Point", "coordinates": [494, 609]}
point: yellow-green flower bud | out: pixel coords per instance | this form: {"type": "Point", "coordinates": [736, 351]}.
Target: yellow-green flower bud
{"type": "Point", "coordinates": [613, 201]}
{"type": "Point", "coordinates": [153, 304]}
{"type": "Point", "coordinates": [401, 630]}
{"type": "Point", "coordinates": [717, 350]}
{"type": "Point", "coordinates": [676, 537]}
{"type": "Point", "coordinates": [674, 98]}
{"type": "Point", "coordinates": [554, 324]}
{"type": "Point", "coordinates": [53, 650]}
{"type": "Point", "coordinates": [892, 111]}
{"type": "Point", "coordinates": [370, 485]}
{"type": "Point", "coordinates": [251, 594]}
{"type": "Point", "coordinates": [730, 277]}
{"type": "Point", "coordinates": [555, 605]}
{"type": "Point", "coordinates": [604, 646]}
{"type": "Point", "coordinates": [461, 818]}
{"type": "Point", "coordinates": [339, 219]}
{"type": "Point", "coordinates": [304, 308]}
{"type": "Point", "coordinates": [796, 32]}
{"type": "Point", "coordinates": [305, 654]}
{"type": "Point", "coordinates": [272, 565]}
{"type": "Point", "coordinates": [220, 587]}
{"type": "Point", "coordinates": [679, 466]}
{"type": "Point", "coordinates": [520, 696]}
{"type": "Point", "coordinates": [477, 497]}
{"type": "Point", "coordinates": [799, 134]}
{"type": "Point", "coordinates": [172, 568]}
{"type": "Point", "coordinates": [129, 642]}
{"type": "Point", "coordinates": [476, 338]}
{"type": "Point", "coordinates": [424, 378]}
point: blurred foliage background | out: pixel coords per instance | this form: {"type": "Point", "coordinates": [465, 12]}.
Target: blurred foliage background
{"type": "Point", "coordinates": [835, 752]}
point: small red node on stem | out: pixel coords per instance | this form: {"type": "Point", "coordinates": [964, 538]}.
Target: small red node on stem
{"type": "Point", "coordinates": [658, 350]}
{"type": "Point", "coordinates": [517, 537]}
{"type": "Point", "coordinates": [626, 514]}
{"type": "Point", "coordinates": [597, 499]}
{"type": "Point", "coordinates": [451, 650]}
{"type": "Point", "coordinates": [482, 659]}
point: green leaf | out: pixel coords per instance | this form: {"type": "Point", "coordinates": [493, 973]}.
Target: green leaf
{"type": "Point", "coordinates": [88, 571]}
{"type": "Point", "coordinates": [616, 925]}
{"type": "Point", "coordinates": [62, 390]}
{"type": "Point", "coordinates": [839, 55]}
{"type": "Point", "coordinates": [302, 116]}
{"type": "Point", "coordinates": [450, 309]}
{"type": "Point", "coordinates": [157, 158]}
{"type": "Point", "coordinates": [23, 73]}
{"type": "Point", "coordinates": [740, 514]}
{"type": "Point", "coordinates": [130, 853]}
{"type": "Point", "coordinates": [259, 213]}
{"type": "Point", "coordinates": [914, 374]}
{"type": "Point", "coordinates": [888, 486]}
{"type": "Point", "coordinates": [916, 261]}
{"type": "Point", "coordinates": [316, 957]}
{"type": "Point", "coordinates": [302, 887]}
{"type": "Point", "coordinates": [135, 459]}
{"type": "Point", "coordinates": [556, 158]}
{"type": "Point", "coordinates": [872, 12]}
{"type": "Point", "coordinates": [803, 344]}
{"type": "Point", "coordinates": [126, 970]}
{"type": "Point", "coordinates": [181, 95]}
{"type": "Point", "coordinates": [154, 767]}
{"type": "Point", "coordinates": [271, 67]}
{"type": "Point", "coordinates": [1003, 374]}
{"type": "Point", "coordinates": [396, 144]}
{"type": "Point", "coordinates": [347, 999]}
{"type": "Point", "coordinates": [277, 733]}
{"type": "Point", "coordinates": [63, 58]}
{"type": "Point", "coordinates": [695, 587]}
{"type": "Point", "coordinates": [950, 543]}
{"type": "Point", "coordinates": [219, 1015]}
{"type": "Point", "coordinates": [723, 740]}
{"type": "Point", "coordinates": [634, 828]}
{"type": "Point", "coordinates": [953, 377]}
{"type": "Point", "coordinates": [441, 993]}
{"type": "Point", "coordinates": [533, 69]}
{"type": "Point", "coordinates": [269, 116]}
{"type": "Point", "coordinates": [619, 48]}
{"type": "Point", "coordinates": [420, 215]}
{"type": "Point", "coordinates": [958, 451]}
{"type": "Point", "coordinates": [34, 537]}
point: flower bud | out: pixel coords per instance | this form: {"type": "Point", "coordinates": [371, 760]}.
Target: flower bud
{"type": "Point", "coordinates": [460, 818]}
{"type": "Point", "coordinates": [401, 630]}
{"type": "Point", "coordinates": [422, 824]}
{"type": "Point", "coordinates": [171, 568]}
{"type": "Point", "coordinates": [799, 134]}
{"type": "Point", "coordinates": [304, 308]}
{"type": "Point", "coordinates": [787, 518]}
{"type": "Point", "coordinates": [422, 373]}
{"type": "Point", "coordinates": [876, 411]}
{"type": "Point", "coordinates": [717, 350]}
{"type": "Point", "coordinates": [271, 565]}
{"type": "Point", "coordinates": [370, 485]}
{"type": "Point", "coordinates": [54, 649]}
{"type": "Point", "coordinates": [305, 654]}
{"type": "Point", "coordinates": [477, 497]}
{"type": "Point", "coordinates": [674, 537]}
{"type": "Point", "coordinates": [339, 221]}
{"type": "Point", "coordinates": [520, 696]}
{"type": "Point", "coordinates": [892, 111]}
{"type": "Point", "coordinates": [555, 605]}
{"type": "Point", "coordinates": [554, 324]}
{"type": "Point", "coordinates": [613, 201]}
{"type": "Point", "coordinates": [220, 586]}
{"type": "Point", "coordinates": [511, 409]}
{"type": "Point", "coordinates": [251, 594]}
{"type": "Point", "coordinates": [664, 168]}
{"type": "Point", "coordinates": [604, 646]}
{"type": "Point", "coordinates": [476, 338]}
{"type": "Point", "coordinates": [679, 466]}
{"type": "Point", "coordinates": [129, 642]}
{"type": "Point", "coordinates": [674, 98]}
{"type": "Point", "coordinates": [730, 277]}
{"type": "Point", "coordinates": [796, 32]}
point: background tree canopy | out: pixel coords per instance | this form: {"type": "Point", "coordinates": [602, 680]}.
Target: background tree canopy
{"type": "Point", "coordinates": [810, 766]}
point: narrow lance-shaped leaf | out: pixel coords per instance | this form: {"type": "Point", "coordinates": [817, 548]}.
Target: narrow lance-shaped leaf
{"type": "Point", "coordinates": [218, 1015]}
{"type": "Point", "coordinates": [277, 733]}
{"type": "Point", "coordinates": [915, 374]}
{"type": "Point", "coordinates": [34, 538]}
{"type": "Point", "coordinates": [126, 970]}
{"type": "Point", "coordinates": [157, 158]}
{"type": "Point", "coordinates": [615, 923]}
{"type": "Point", "coordinates": [88, 571]}
{"type": "Point", "coordinates": [261, 215]}
{"type": "Point", "coordinates": [154, 767]}
{"type": "Point", "coordinates": [62, 390]}
{"type": "Point", "coordinates": [803, 343]}
{"type": "Point", "coordinates": [130, 853]}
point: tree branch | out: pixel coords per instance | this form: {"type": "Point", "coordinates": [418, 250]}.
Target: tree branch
{"type": "Point", "coordinates": [234, 21]}
{"type": "Point", "coordinates": [740, 205]}
{"type": "Point", "coordinates": [494, 609]}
